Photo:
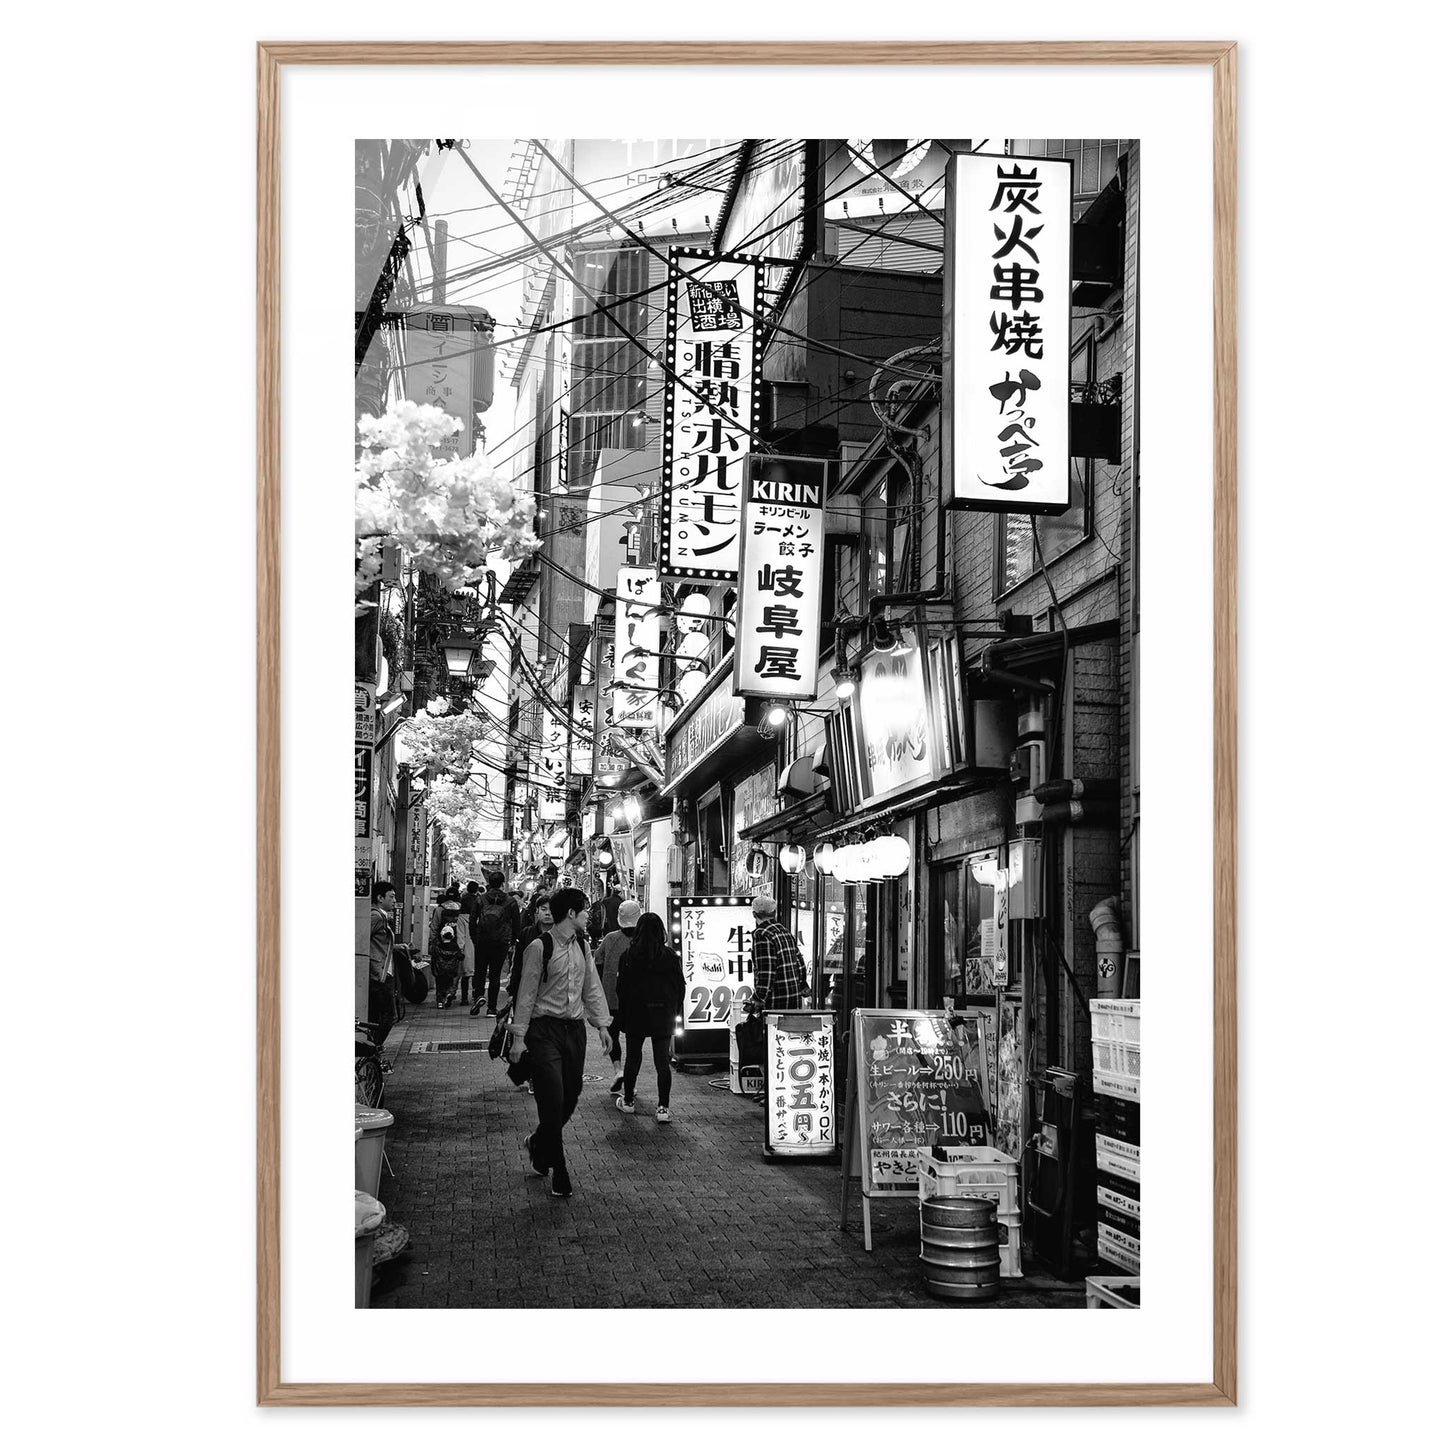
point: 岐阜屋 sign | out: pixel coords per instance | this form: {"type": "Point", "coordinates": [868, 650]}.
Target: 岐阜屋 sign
{"type": "Point", "coordinates": [780, 584]}
{"type": "Point", "coordinates": [1007, 284]}
{"type": "Point", "coordinates": [709, 410]}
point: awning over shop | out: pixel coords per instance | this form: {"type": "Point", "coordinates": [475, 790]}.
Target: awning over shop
{"type": "Point", "coordinates": [914, 802]}
{"type": "Point", "coordinates": [800, 819]}
{"type": "Point", "coordinates": [715, 736]}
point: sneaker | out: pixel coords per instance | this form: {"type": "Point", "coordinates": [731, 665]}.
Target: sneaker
{"type": "Point", "coordinates": [561, 1183]}
{"type": "Point", "coordinates": [617, 1083]}
{"type": "Point", "coordinates": [664, 1114]}
{"type": "Point", "coordinates": [536, 1168]}
{"type": "Point", "coordinates": [476, 1008]}
{"type": "Point", "coordinates": [625, 1106]}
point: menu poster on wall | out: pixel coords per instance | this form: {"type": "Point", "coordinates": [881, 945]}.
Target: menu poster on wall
{"type": "Point", "coordinates": [913, 1088]}
{"type": "Point", "coordinates": [714, 938]}
{"type": "Point", "coordinates": [800, 1100]}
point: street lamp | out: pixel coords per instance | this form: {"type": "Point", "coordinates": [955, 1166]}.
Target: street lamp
{"type": "Point", "coordinates": [845, 680]}
{"type": "Point", "coordinates": [459, 649]}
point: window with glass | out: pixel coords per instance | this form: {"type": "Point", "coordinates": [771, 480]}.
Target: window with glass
{"type": "Point", "coordinates": [968, 960]}
{"type": "Point", "coordinates": [1018, 556]}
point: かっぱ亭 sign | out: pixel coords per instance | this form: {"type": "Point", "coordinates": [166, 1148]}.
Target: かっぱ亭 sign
{"type": "Point", "coordinates": [1007, 303]}
{"type": "Point", "coordinates": [714, 939]}
{"type": "Point", "coordinates": [780, 584]}
{"type": "Point", "coordinates": [801, 1088]}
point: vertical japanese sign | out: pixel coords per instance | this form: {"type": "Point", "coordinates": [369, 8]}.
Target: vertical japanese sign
{"type": "Point", "coordinates": [714, 939]}
{"type": "Point", "coordinates": [552, 761]}
{"type": "Point", "coordinates": [443, 346]}
{"type": "Point", "coordinates": [709, 410]}
{"type": "Point", "coordinates": [800, 1098]}
{"type": "Point", "coordinates": [780, 585]}
{"type": "Point", "coordinates": [583, 713]}
{"type": "Point", "coordinates": [365, 742]}
{"type": "Point", "coordinates": [639, 634]}
{"type": "Point", "coordinates": [1007, 282]}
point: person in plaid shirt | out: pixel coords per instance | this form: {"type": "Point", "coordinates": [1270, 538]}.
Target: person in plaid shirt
{"type": "Point", "coordinates": [780, 977]}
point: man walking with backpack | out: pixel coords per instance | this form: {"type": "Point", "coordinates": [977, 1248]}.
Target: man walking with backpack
{"type": "Point", "coordinates": [559, 988]}
{"type": "Point", "coordinates": [496, 926]}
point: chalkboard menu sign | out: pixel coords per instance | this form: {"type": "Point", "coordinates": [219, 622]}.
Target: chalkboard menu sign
{"type": "Point", "coordinates": [916, 1084]}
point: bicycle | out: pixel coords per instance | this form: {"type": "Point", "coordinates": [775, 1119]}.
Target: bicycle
{"type": "Point", "coordinates": [370, 1077]}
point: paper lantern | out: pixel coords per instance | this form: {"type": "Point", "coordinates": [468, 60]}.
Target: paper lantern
{"type": "Point", "coordinates": [823, 858]}
{"type": "Point", "coordinates": [894, 855]}
{"type": "Point", "coordinates": [791, 857]}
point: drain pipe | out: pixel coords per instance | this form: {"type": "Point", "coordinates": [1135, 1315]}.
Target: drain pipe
{"type": "Point", "coordinates": [1108, 947]}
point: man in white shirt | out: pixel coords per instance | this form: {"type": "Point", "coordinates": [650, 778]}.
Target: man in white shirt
{"type": "Point", "coordinates": [559, 988]}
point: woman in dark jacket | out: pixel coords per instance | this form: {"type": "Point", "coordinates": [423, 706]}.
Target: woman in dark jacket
{"type": "Point", "coordinates": [650, 989]}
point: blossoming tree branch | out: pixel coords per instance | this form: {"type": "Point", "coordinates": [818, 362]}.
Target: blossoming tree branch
{"type": "Point", "coordinates": [447, 517]}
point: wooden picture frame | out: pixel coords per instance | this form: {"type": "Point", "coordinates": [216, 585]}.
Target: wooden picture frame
{"type": "Point", "coordinates": [1221, 57]}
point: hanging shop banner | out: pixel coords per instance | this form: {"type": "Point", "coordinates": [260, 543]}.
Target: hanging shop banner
{"type": "Point", "coordinates": [449, 364]}
{"type": "Point", "coordinates": [713, 356]}
{"type": "Point", "coordinates": [714, 939]}
{"type": "Point", "coordinates": [916, 1084]}
{"type": "Point", "coordinates": [365, 740]}
{"type": "Point", "coordinates": [1007, 283]}
{"type": "Point", "coordinates": [583, 711]}
{"type": "Point", "coordinates": [639, 637]}
{"type": "Point", "coordinates": [780, 586]}
{"type": "Point", "coordinates": [552, 807]}
{"type": "Point", "coordinates": [552, 760]}
{"type": "Point", "coordinates": [799, 1083]}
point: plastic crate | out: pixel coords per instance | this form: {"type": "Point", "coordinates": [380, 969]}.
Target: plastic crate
{"type": "Point", "coordinates": [980, 1155]}
{"type": "Point", "coordinates": [1114, 1056]}
{"type": "Point", "coordinates": [1116, 1118]}
{"type": "Point", "coordinates": [1010, 1247]}
{"type": "Point", "coordinates": [1119, 1086]}
{"type": "Point", "coordinates": [1104, 1291]}
{"type": "Point", "coordinates": [1113, 1019]}
{"type": "Point", "coordinates": [1114, 1156]}
{"type": "Point", "coordinates": [1118, 1248]}
{"type": "Point", "coordinates": [963, 1179]}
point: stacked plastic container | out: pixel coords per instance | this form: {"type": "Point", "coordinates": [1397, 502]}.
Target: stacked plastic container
{"type": "Point", "coordinates": [949, 1171]}
{"type": "Point", "coordinates": [1115, 1028]}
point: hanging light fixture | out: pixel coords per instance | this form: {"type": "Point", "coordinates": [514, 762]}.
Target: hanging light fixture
{"type": "Point", "coordinates": [459, 649]}
{"type": "Point", "coordinates": [632, 810]}
{"type": "Point", "coordinates": [791, 857]}
{"type": "Point", "coordinates": [894, 855]}
{"type": "Point", "coordinates": [777, 715]}
{"type": "Point", "coordinates": [823, 856]}
{"type": "Point", "coordinates": [757, 863]}
{"type": "Point", "coordinates": [845, 681]}
{"type": "Point", "coordinates": [882, 636]}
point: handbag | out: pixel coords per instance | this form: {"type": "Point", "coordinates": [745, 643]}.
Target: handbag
{"type": "Point", "coordinates": [501, 1040]}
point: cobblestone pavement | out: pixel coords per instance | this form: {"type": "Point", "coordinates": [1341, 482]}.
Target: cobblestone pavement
{"type": "Point", "coordinates": [686, 1214]}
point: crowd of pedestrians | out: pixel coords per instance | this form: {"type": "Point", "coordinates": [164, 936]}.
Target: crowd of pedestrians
{"type": "Point", "coordinates": [553, 967]}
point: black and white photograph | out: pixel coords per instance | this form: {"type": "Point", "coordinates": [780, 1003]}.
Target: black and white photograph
{"type": "Point", "coordinates": [747, 730]}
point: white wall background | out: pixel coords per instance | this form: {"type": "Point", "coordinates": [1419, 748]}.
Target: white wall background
{"type": "Point", "coordinates": [129, 507]}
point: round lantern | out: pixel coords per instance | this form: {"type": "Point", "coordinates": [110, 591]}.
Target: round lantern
{"type": "Point", "coordinates": [845, 864]}
{"type": "Point", "coordinates": [757, 863]}
{"type": "Point", "coordinates": [823, 858]}
{"type": "Point", "coordinates": [894, 855]}
{"type": "Point", "coordinates": [694, 612]}
{"type": "Point", "coordinates": [792, 857]}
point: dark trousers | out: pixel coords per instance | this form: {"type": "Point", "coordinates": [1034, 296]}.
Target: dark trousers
{"type": "Point", "coordinates": [658, 1027]}
{"type": "Point", "coordinates": [489, 967]}
{"type": "Point", "coordinates": [380, 1008]}
{"type": "Point", "coordinates": [557, 1048]}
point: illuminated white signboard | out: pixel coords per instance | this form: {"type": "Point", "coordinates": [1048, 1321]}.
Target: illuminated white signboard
{"type": "Point", "coordinates": [714, 939]}
{"type": "Point", "coordinates": [639, 635]}
{"type": "Point", "coordinates": [798, 1073]}
{"type": "Point", "coordinates": [709, 410]}
{"type": "Point", "coordinates": [1007, 318]}
{"type": "Point", "coordinates": [780, 586]}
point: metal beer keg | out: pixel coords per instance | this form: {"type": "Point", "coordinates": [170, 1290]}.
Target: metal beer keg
{"type": "Point", "coordinates": [959, 1248]}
